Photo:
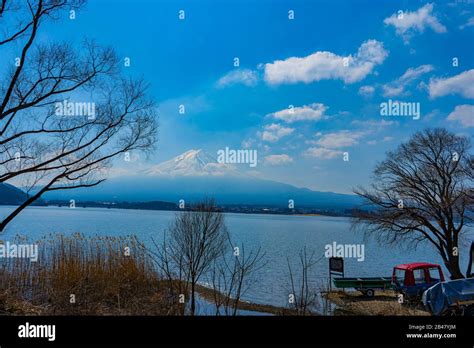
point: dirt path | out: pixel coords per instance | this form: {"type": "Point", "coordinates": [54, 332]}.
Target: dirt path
{"type": "Point", "coordinates": [383, 303]}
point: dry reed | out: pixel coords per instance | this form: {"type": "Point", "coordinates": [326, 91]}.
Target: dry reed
{"type": "Point", "coordinates": [78, 275]}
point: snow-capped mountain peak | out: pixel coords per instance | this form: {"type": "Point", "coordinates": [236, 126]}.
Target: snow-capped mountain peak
{"type": "Point", "coordinates": [192, 163]}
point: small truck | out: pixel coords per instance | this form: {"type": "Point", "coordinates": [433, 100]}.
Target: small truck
{"type": "Point", "coordinates": [413, 279]}
{"type": "Point", "coordinates": [409, 279]}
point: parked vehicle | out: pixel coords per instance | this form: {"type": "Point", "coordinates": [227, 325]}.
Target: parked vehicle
{"type": "Point", "coordinates": [425, 281]}
{"type": "Point", "coordinates": [365, 285]}
{"type": "Point", "coordinates": [455, 297]}
{"type": "Point", "coordinates": [409, 279]}
{"type": "Point", "coordinates": [413, 279]}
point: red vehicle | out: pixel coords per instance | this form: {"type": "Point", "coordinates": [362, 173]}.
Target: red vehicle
{"type": "Point", "coordinates": [413, 279]}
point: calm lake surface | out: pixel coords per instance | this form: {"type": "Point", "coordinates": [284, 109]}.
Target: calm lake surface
{"type": "Point", "coordinates": [279, 236]}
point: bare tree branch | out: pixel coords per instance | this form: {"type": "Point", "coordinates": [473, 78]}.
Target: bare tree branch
{"type": "Point", "coordinates": [421, 192]}
{"type": "Point", "coordinates": [66, 112]}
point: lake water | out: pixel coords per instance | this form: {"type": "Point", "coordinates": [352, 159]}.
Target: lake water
{"type": "Point", "coordinates": [279, 237]}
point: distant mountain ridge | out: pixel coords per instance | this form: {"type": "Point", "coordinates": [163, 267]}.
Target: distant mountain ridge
{"type": "Point", "coordinates": [10, 195]}
{"type": "Point", "coordinates": [195, 175]}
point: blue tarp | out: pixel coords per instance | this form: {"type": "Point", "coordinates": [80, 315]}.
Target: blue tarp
{"type": "Point", "coordinates": [439, 297]}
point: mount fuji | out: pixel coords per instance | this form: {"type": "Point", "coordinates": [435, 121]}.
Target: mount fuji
{"type": "Point", "coordinates": [194, 175]}
{"type": "Point", "coordinates": [193, 163]}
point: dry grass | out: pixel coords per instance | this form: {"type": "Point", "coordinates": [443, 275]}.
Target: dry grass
{"type": "Point", "coordinates": [96, 270]}
{"type": "Point", "coordinates": [383, 303]}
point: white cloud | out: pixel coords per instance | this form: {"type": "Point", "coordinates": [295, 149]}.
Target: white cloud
{"type": "Point", "coordinates": [327, 147]}
{"type": "Point", "coordinates": [431, 115]}
{"type": "Point", "coordinates": [386, 139]}
{"type": "Point", "coordinates": [247, 143]}
{"type": "Point", "coordinates": [245, 77]}
{"type": "Point", "coordinates": [275, 132]}
{"type": "Point", "coordinates": [392, 91]}
{"type": "Point", "coordinates": [374, 124]}
{"type": "Point", "coordinates": [366, 91]}
{"type": "Point", "coordinates": [116, 172]}
{"type": "Point", "coordinates": [340, 139]}
{"type": "Point", "coordinates": [462, 83]}
{"type": "Point", "coordinates": [409, 23]}
{"type": "Point", "coordinates": [324, 65]}
{"type": "Point", "coordinates": [456, 3]}
{"type": "Point", "coordinates": [413, 73]}
{"type": "Point", "coordinates": [311, 112]}
{"type": "Point", "coordinates": [397, 87]}
{"type": "Point", "coordinates": [322, 153]}
{"type": "Point", "coordinates": [463, 114]}
{"type": "Point", "coordinates": [276, 160]}
{"type": "Point", "coordinates": [194, 105]}
{"type": "Point", "coordinates": [469, 23]}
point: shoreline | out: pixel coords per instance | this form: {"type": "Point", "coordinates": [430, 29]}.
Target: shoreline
{"type": "Point", "coordinates": [273, 213]}
{"type": "Point", "coordinates": [208, 293]}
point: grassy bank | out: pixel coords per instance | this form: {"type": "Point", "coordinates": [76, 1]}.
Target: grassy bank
{"type": "Point", "coordinates": [76, 275]}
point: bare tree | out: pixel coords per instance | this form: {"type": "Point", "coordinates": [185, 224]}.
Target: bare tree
{"type": "Point", "coordinates": [195, 240]}
{"type": "Point", "coordinates": [229, 273]}
{"type": "Point", "coordinates": [303, 299]}
{"type": "Point", "coordinates": [172, 268]}
{"type": "Point", "coordinates": [231, 277]}
{"type": "Point", "coordinates": [422, 192]}
{"type": "Point", "coordinates": [47, 139]}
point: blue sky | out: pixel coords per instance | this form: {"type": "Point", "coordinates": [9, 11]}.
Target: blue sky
{"type": "Point", "coordinates": [335, 62]}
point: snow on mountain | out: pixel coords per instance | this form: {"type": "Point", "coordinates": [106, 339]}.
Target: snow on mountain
{"type": "Point", "coordinates": [192, 163]}
{"type": "Point", "coordinates": [195, 175]}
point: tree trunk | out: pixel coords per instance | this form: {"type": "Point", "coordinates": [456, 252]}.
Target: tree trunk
{"type": "Point", "coordinates": [452, 263]}
{"type": "Point", "coordinates": [453, 267]}
{"type": "Point", "coordinates": [193, 297]}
